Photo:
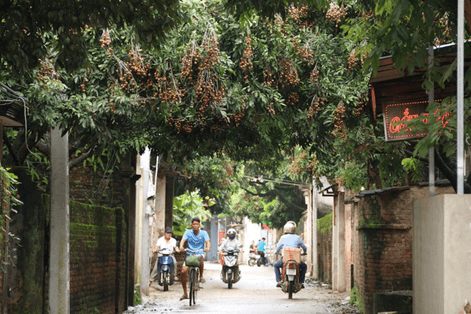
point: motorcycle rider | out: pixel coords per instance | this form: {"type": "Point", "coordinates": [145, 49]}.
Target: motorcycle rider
{"type": "Point", "coordinates": [261, 251]}
{"type": "Point", "coordinates": [289, 239]}
{"type": "Point", "coordinates": [229, 243]}
{"type": "Point", "coordinates": [165, 242]}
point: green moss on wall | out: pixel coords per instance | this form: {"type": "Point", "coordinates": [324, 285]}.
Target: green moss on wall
{"type": "Point", "coordinates": [373, 218]}
{"type": "Point", "coordinates": [324, 224]}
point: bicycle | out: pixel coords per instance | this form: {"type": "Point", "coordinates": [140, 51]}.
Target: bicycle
{"type": "Point", "coordinates": [193, 280]}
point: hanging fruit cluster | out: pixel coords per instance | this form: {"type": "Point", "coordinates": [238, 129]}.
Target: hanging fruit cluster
{"type": "Point", "coordinates": [339, 115]}
{"type": "Point", "coordinates": [268, 78]}
{"type": "Point", "coordinates": [314, 77]}
{"type": "Point", "coordinates": [300, 16]}
{"type": "Point", "coordinates": [336, 13]}
{"type": "Point", "coordinates": [316, 104]}
{"type": "Point", "coordinates": [307, 54]}
{"type": "Point", "coordinates": [47, 73]}
{"type": "Point", "coordinates": [198, 73]}
{"type": "Point", "coordinates": [105, 40]}
{"type": "Point", "coordinates": [288, 73]}
{"type": "Point", "coordinates": [352, 60]}
{"type": "Point", "coordinates": [246, 59]}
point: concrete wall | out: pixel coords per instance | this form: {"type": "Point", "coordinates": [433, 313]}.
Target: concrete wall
{"type": "Point", "coordinates": [442, 254]}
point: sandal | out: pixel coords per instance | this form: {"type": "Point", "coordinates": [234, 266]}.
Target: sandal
{"type": "Point", "coordinates": [183, 297]}
{"type": "Point", "coordinates": [202, 280]}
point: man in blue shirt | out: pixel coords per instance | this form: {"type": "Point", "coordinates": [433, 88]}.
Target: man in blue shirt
{"type": "Point", "coordinates": [289, 239]}
{"type": "Point", "coordinates": [196, 239]}
{"type": "Point", "coordinates": [261, 251]}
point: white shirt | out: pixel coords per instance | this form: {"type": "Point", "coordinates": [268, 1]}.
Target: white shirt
{"type": "Point", "coordinates": [230, 244]}
{"type": "Point", "coordinates": [170, 245]}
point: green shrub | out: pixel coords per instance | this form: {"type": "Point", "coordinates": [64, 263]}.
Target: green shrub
{"type": "Point", "coordinates": [357, 299]}
{"type": "Point", "coordinates": [137, 295]}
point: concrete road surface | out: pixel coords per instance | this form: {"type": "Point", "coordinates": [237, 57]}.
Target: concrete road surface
{"type": "Point", "coordinates": [254, 293]}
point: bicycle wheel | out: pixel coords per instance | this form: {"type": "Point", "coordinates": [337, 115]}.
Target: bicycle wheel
{"type": "Point", "coordinates": [195, 290]}
{"type": "Point", "coordinates": [195, 285]}
{"type": "Point", "coordinates": [192, 284]}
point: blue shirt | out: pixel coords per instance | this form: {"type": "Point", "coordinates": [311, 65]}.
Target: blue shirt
{"type": "Point", "coordinates": [290, 240]}
{"type": "Point", "coordinates": [261, 246]}
{"type": "Point", "coordinates": [195, 242]}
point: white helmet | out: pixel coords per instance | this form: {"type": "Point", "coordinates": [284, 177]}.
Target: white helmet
{"type": "Point", "coordinates": [231, 233]}
{"type": "Point", "coordinates": [290, 227]}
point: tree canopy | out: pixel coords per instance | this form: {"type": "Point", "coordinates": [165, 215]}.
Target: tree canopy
{"type": "Point", "coordinates": [280, 86]}
{"type": "Point", "coordinates": [31, 31]}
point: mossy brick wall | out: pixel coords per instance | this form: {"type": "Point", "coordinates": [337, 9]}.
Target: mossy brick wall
{"type": "Point", "coordinates": [94, 187]}
{"type": "Point", "coordinates": [98, 241]}
{"type": "Point", "coordinates": [324, 248]}
{"type": "Point", "coordinates": [97, 258]}
{"type": "Point", "coordinates": [382, 234]}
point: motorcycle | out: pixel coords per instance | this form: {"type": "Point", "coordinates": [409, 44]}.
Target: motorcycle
{"type": "Point", "coordinates": [290, 273]}
{"type": "Point", "coordinates": [165, 264]}
{"type": "Point", "coordinates": [253, 259]}
{"type": "Point", "coordinates": [230, 272]}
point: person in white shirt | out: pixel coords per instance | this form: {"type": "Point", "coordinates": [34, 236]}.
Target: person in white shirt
{"type": "Point", "coordinates": [231, 243]}
{"type": "Point", "coordinates": [165, 242]}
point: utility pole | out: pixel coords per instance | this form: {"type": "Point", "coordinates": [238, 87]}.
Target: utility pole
{"type": "Point", "coordinates": [145, 269]}
{"type": "Point", "coordinates": [59, 290]}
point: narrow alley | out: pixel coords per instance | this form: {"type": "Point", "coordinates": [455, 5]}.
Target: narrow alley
{"type": "Point", "coordinates": [254, 293]}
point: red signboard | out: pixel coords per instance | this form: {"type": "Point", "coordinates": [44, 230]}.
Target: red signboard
{"type": "Point", "coordinates": [397, 118]}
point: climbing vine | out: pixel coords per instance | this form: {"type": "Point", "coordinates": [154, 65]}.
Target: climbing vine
{"type": "Point", "coordinates": [8, 201]}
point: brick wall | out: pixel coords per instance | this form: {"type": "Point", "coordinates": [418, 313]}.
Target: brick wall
{"type": "Point", "coordinates": [97, 241]}
{"type": "Point", "coordinates": [381, 237]}
{"type": "Point", "coordinates": [97, 258]}
{"type": "Point", "coordinates": [90, 187]}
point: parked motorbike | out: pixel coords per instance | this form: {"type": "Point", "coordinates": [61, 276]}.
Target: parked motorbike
{"type": "Point", "coordinates": [230, 272]}
{"type": "Point", "coordinates": [290, 273]}
{"type": "Point", "coordinates": [253, 259]}
{"type": "Point", "coordinates": [165, 264]}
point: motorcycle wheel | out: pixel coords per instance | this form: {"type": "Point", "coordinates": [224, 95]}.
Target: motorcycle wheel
{"type": "Point", "coordinates": [259, 262]}
{"type": "Point", "coordinates": [166, 280]}
{"type": "Point", "coordinates": [290, 290]}
{"type": "Point", "coordinates": [229, 281]}
{"type": "Point", "coordinates": [251, 262]}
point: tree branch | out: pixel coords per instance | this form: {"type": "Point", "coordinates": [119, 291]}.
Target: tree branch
{"type": "Point", "coordinates": [79, 159]}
